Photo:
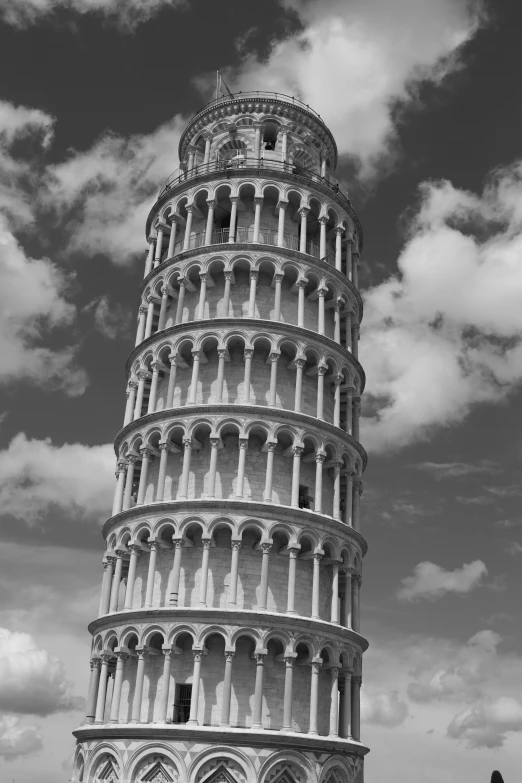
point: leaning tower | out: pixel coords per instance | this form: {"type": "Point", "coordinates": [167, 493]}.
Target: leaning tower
{"type": "Point", "coordinates": [227, 647]}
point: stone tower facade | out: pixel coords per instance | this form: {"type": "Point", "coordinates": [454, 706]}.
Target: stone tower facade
{"type": "Point", "coordinates": [227, 647]}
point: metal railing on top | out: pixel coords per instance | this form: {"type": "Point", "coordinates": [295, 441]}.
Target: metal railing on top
{"type": "Point", "coordinates": [267, 236]}
{"type": "Point", "coordinates": [250, 163]}
{"type": "Point", "coordinates": [260, 95]}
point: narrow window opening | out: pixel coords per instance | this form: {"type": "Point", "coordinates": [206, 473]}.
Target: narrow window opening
{"type": "Point", "coordinates": [304, 497]}
{"type": "Point", "coordinates": [182, 703]}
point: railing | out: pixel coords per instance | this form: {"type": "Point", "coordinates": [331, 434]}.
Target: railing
{"type": "Point", "coordinates": [250, 163]}
{"type": "Point", "coordinates": [267, 236]}
{"type": "Point", "coordinates": [260, 95]}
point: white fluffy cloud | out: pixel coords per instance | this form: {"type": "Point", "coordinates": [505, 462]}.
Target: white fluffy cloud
{"type": "Point", "coordinates": [18, 739]}
{"type": "Point", "coordinates": [352, 61]}
{"type": "Point", "coordinates": [436, 342]}
{"type": "Point", "coordinates": [127, 13]}
{"type": "Point", "coordinates": [32, 682]}
{"type": "Point", "coordinates": [431, 581]}
{"type": "Point", "coordinates": [103, 195]}
{"type": "Point", "coordinates": [487, 724]}
{"type": "Point", "coordinates": [110, 318]}
{"type": "Point", "coordinates": [383, 709]}
{"type": "Point", "coordinates": [36, 476]}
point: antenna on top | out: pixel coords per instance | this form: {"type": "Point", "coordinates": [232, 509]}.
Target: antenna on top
{"type": "Point", "coordinates": [222, 85]}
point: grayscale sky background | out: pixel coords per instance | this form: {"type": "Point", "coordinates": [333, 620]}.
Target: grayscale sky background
{"type": "Point", "coordinates": [425, 102]}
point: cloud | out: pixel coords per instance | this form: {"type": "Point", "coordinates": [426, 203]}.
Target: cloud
{"type": "Point", "coordinates": [431, 581]}
{"type": "Point", "coordinates": [17, 739]}
{"type": "Point", "coordinates": [514, 548]}
{"type": "Point", "coordinates": [430, 353]}
{"type": "Point", "coordinates": [487, 723]}
{"type": "Point", "coordinates": [444, 470]}
{"type": "Point", "coordinates": [110, 318]}
{"type": "Point", "coordinates": [32, 682]}
{"type": "Point", "coordinates": [128, 14]}
{"type": "Point", "coordinates": [478, 500]}
{"type": "Point", "coordinates": [463, 678]}
{"type": "Point", "coordinates": [383, 709]}
{"type": "Point", "coordinates": [352, 62]}
{"type": "Point", "coordinates": [102, 196]}
{"type": "Point", "coordinates": [33, 304]}
{"type": "Point", "coordinates": [36, 476]}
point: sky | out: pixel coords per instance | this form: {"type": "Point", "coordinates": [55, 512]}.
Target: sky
{"type": "Point", "coordinates": [424, 100]}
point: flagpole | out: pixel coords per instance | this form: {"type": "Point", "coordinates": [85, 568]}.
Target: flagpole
{"type": "Point", "coordinates": [217, 84]}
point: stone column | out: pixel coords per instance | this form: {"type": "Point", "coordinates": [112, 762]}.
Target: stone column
{"type": "Point", "coordinates": [348, 335]}
{"type": "Point", "coordinates": [138, 688]}
{"type": "Point", "coordinates": [302, 237]}
{"type": "Point", "coordinates": [345, 706]}
{"type": "Point", "coordinates": [321, 371]}
{"type": "Point", "coordinates": [92, 695]}
{"type": "Point", "coordinates": [355, 268]}
{"type": "Point", "coordinates": [181, 300]}
{"type": "Point", "coordinates": [117, 505]}
{"type": "Point", "coordinates": [257, 722]}
{"type": "Point", "coordinates": [164, 703]}
{"type": "Point", "coordinates": [193, 717]}
{"type": "Point", "coordinates": [348, 499]}
{"type": "Point", "coordinates": [172, 238]}
{"type": "Point", "coordinates": [142, 317]}
{"type": "Point", "coordinates": [320, 300]}
{"type": "Point", "coordinates": [301, 285]}
{"type": "Point", "coordinates": [273, 378]}
{"type": "Point", "coordinates": [263, 598]}
{"type": "Point", "coordinates": [233, 220]}
{"type": "Point", "coordinates": [227, 688]}
{"type": "Point", "coordinates": [284, 144]}
{"type": "Point", "coordinates": [299, 365]}
{"type": "Point", "coordinates": [146, 454]}
{"type": "Point", "coordinates": [183, 490]}
{"type": "Point", "coordinates": [108, 570]}
{"type": "Point", "coordinates": [151, 301]}
{"type": "Point", "coordinates": [356, 597]}
{"type": "Point", "coordinates": [204, 573]}
{"type": "Point", "coordinates": [202, 295]}
{"type": "Point", "coordinates": [129, 481]}
{"type": "Point", "coordinates": [222, 354]}
{"type": "Point", "coordinates": [258, 203]}
{"type": "Point", "coordinates": [334, 607]}
{"type": "Point", "coordinates": [208, 143]}
{"type": "Point", "coordinates": [234, 567]}
{"type": "Point", "coordinates": [243, 446]}
{"type": "Point", "coordinates": [356, 707]}
{"type": "Point", "coordinates": [314, 696]}
{"type": "Point", "coordinates": [337, 490]}
{"type": "Point", "coordinates": [194, 380]}
{"type": "Point", "coordinates": [159, 246]}
{"type": "Point", "coordinates": [135, 551]}
{"type": "Point", "coordinates": [281, 223]}
{"type": "Point", "coordinates": [316, 582]}
{"type": "Point", "coordinates": [257, 140]}
{"type": "Point", "coordinates": [322, 237]}
{"type": "Point", "coordinates": [143, 375]}
{"type": "Point", "coordinates": [162, 471]}
{"type": "Point", "coordinates": [278, 279]}
{"type": "Point", "coordinates": [318, 503]}
{"type": "Point", "coordinates": [338, 247]}
{"type": "Point", "coordinates": [337, 323]}
{"type": "Point", "coordinates": [226, 295]}
{"type": "Point", "coordinates": [156, 367]}
{"type": "Point", "coordinates": [337, 400]}
{"type": "Point", "coordinates": [356, 413]}
{"type": "Point", "coordinates": [188, 228]}
{"type": "Point", "coordinates": [172, 381]}
{"type": "Point", "coordinates": [210, 222]}
{"type": "Point", "coordinates": [131, 402]}
{"type": "Point", "coordinates": [102, 688]}
{"type": "Point", "coordinates": [176, 571]}
{"type": "Point", "coordinates": [192, 154]}
{"type": "Point", "coordinates": [356, 504]}
{"type": "Point", "coordinates": [214, 445]}
{"type": "Point", "coordinates": [118, 682]}
{"type": "Point", "coordinates": [296, 469]}
{"type": "Point", "coordinates": [347, 619]}
{"type": "Point", "coordinates": [150, 257]}
{"type": "Point", "coordinates": [292, 564]}
{"type": "Point", "coordinates": [334, 703]}
{"type": "Point", "coordinates": [151, 574]}
{"type": "Point", "coordinates": [248, 354]}
{"type": "Point", "coordinates": [271, 447]}
{"type": "Point", "coordinates": [116, 581]}
{"type": "Point", "coordinates": [355, 340]}
{"type": "Point", "coordinates": [252, 300]}
{"type": "Point", "coordinates": [163, 308]}
{"type": "Point", "coordinates": [288, 692]}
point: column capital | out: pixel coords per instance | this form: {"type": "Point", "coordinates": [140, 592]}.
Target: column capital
{"type": "Point", "coordinates": [214, 443]}
{"type": "Point", "coordinates": [321, 291]}
{"type": "Point", "coordinates": [357, 680]}
{"type": "Point", "coordinates": [222, 353]}
{"type": "Point", "coordinates": [106, 657]}
{"type": "Point", "coordinates": [234, 199]}
{"type": "Point", "coordinates": [299, 363]}
{"type": "Point", "coordinates": [323, 220]}
{"type": "Point", "coordinates": [142, 310]}
{"type": "Point", "coordinates": [303, 211]}
{"type": "Point", "coordinates": [301, 283]}
{"type": "Point", "coordinates": [236, 544]}
{"type": "Point", "coordinates": [189, 208]}
{"type": "Point", "coordinates": [132, 385]}
{"type": "Point", "coordinates": [121, 467]}
{"type": "Point", "coordinates": [274, 356]}
{"type": "Point", "coordinates": [122, 655]}
{"type": "Point", "coordinates": [142, 652]}
{"type": "Point", "coordinates": [322, 369]}
{"type": "Point", "coordinates": [196, 353]}
{"type": "Point", "coordinates": [297, 451]}
{"type": "Point", "coordinates": [163, 446]}
{"type": "Point", "coordinates": [143, 375]}
{"type": "Point", "coordinates": [229, 655]}
{"type": "Point", "coordinates": [337, 465]}
{"type": "Point", "coordinates": [358, 485]}
{"type": "Point", "coordinates": [203, 276]}
{"type": "Point", "coordinates": [289, 659]}
{"type": "Point", "coordinates": [197, 655]}
{"type": "Point", "coordinates": [316, 664]}
{"type": "Point", "coordinates": [293, 551]}
{"type": "Point", "coordinates": [167, 651]}
{"type": "Point", "coordinates": [211, 203]}
{"type": "Point", "coordinates": [248, 353]}
{"type": "Point", "coordinates": [271, 445]}
{"type": "Point", "coordinates": [254, 274]}
{"type": "Point", "coordinates": [111, 560]}
{"type": "Point", "coordinates": [158, 366]}
{"type": "Point", "coordinates": [318, 556]}
{"type": "Point", "coordinates": [357, 579]}
{"type": "Point", "coordinates": [146, 451]}
{"type": "Point", "coordinates": [279, 277]}
{"type": "Point", "coordinates": [187, 443]}
{"type": "Point", "coordinates": [337, 380]}
{"type": "Point", "coordinates": [282, 204]}
{"type": "Point", "coordinates": [136, 549]}
{"type": "Point", "coordinates": [339, 230]}
{"type": "Point", "coordinates": [260, 658]}
{"type": "Point", "coordinates": [320, 456]}
{"type": "Point", "coordinates": [265, 547]}
{"type": "Point", "coordinates": [258, 201]}
{"type": "Point", "coordinates": [95, 663]}
{"type": "Point", "coordinates": [207, 542]}
{"type": "Point", "coordinates": [243, 443]}
{"type": "Point", "coordinates": [132, 458]}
